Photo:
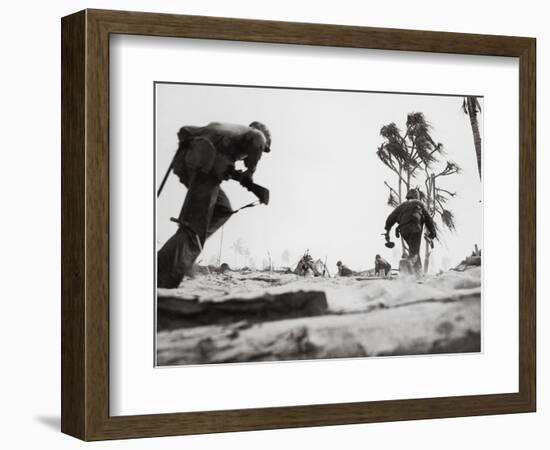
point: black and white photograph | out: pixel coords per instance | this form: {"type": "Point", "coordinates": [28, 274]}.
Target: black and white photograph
{"type": "Point", "coordinates": [261, 225]}
{"type": "Point", "coordinates": [301, 224]}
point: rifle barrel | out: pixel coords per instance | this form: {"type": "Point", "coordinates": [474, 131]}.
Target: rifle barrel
{"type": "Point", "coordinates": [161, 187]}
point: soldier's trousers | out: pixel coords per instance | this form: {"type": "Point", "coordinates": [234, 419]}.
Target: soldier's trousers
{"type": "Point", "coordinates": [413, 241]}
{"type": "Point", "coordinates": [205, 209]}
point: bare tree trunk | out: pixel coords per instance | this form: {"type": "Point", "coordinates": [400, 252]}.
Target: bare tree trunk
{"type": "Point", "coordinates": [472, 113]}
{"type": "Point", "coordinates": [400, 183]}
{"type": "Point", "coordinates": [430, 199]}
{"type": "Point", "coordinates": [404, 247]}
{"type": "Point", "coordinates": [427, 254]}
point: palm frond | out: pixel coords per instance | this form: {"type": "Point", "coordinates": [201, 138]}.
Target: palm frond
{"type": "Point", "coordinates": [392, 200]}
{"type": "Point", "coordinates": [477, 105]}
{"type": "Point", "coordinates": [425, 150]}
{"type": "Point", "coordinates": [390, 131]}
{"type": "Point", "coordinates": [441, 198]}
{"type": "Point", "coordinates": [448, 219]}
{"type": "Point", "coordinates": [418, 122]}
{"type": "Point", "coordinates": [454, 166]}
{"type": "Point", "coordinates": [384, 155]}
{"type": "Point", "coordinates": [419, 133]}
{"type": "Point", "coordinates": [393, 151]}
{"type": "Point", "coordinates": [396, 150]}
{"type": "Point", "coordinates": [451, 168]}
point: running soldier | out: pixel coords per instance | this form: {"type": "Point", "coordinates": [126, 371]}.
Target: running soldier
{"type": "Point", "coordinates": [206, 157]}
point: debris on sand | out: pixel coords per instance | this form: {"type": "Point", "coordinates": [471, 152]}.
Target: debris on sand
{"type": "Point", "coordinates": [232, 318]}
{"type": "Point", "coordinates": [174, 312]}
{"type": "Point", "coordinates": [474, 260]}
{"type": "Point", "coordinates": [416, 329]}
{"type": "Point", "coordinates": [307, 266]}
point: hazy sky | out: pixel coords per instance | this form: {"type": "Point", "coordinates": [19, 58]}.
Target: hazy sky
{"type": "Point", "coordinates": [326, 182]}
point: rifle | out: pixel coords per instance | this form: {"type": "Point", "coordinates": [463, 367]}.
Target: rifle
{"type": "Point", "coordinates": [165, 178]}
{"type": "Point", "coordinates": [259, 191]}
{"type": "Point", "coordinates": [237, 175]}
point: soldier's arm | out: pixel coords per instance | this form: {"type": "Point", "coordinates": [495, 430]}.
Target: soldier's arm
{"type": "Point", "coordinates": [254, 145]}
{"type": "Point", "coordinates": [392, 218]}
{"type": "Point", "coordinates": [251, 162]}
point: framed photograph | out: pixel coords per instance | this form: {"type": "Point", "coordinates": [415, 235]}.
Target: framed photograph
{"type": "Point", "coordinates": [272, 225]}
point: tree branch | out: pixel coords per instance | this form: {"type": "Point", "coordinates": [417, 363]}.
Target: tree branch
{"type": "Point", "coordinates": [452, 194]}
{"type": "Point", "coordinates": [391, 189]}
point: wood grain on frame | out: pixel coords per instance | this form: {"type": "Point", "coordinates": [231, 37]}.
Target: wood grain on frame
{"type": "Point", "coordinates": [73, 225]}
{"type": "Point", "coordinates": [85, 224]}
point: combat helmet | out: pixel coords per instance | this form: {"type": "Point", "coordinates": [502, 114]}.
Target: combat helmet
{"type": "Point", "coordinates": [412, 194]}
{"type": "Point", "coordinates": [265, 131]}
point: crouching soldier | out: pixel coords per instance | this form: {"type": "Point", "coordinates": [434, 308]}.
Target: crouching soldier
{"type": "Point", "coordinates": [411, 216]}
{"type": "Point", "coordinates": [381, 266]}
{"type": "Point", "coordinates": [206, 156]}
{"type": "Point", "coordinates": [343, 270]}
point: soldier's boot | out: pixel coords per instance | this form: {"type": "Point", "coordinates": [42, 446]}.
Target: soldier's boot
{"type": "Point", "coordinates": [176, 258]}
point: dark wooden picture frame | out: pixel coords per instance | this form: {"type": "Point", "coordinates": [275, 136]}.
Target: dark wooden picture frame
{"type": "Point", "coordinates": [85, 224]}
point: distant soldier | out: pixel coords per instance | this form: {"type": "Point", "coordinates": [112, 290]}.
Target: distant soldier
{"type": "Point", "coordinates": [206, 156]}
{"type": "Point", "coordinates": [411, 216]}
{"type": "Point", "coordinates": [343, 270]}
{"type": "Point", "coordinates": [381, 266]}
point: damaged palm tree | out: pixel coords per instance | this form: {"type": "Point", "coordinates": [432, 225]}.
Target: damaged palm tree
{"type": "Point", "coordinates": [414, 158]}
{"type": "Point", "coordinates": [471, 107]}
{"type": "Point", "coordinates": [239, 248]}
{"type": "Point", "coordinates": [435, 199]}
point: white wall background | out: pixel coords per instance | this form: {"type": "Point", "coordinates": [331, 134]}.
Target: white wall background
{"type": "Point", "coordinates": [30, 229]}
